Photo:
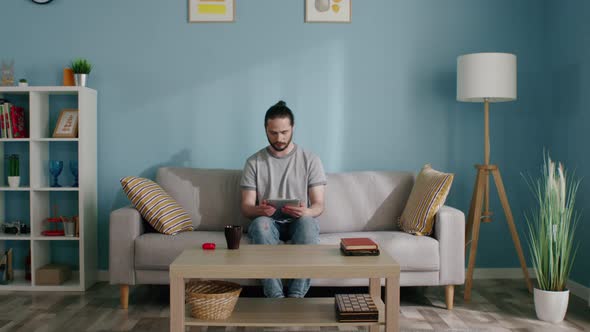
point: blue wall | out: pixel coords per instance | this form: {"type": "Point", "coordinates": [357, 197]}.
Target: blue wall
{"type": "Point", "coordinates": [378, 93]}
{"type": "Point", "coordinates": [569, 74]}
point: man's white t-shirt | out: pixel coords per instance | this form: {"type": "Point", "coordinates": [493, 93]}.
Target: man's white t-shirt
{"type": "Point", "coordinates": [287, 177]}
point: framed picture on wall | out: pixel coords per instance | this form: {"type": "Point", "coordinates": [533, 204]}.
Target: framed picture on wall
{"type": "Point", "coordinates": [67, 124]}
{"type": "Point", "coordinates": [328, 11]}
{"type": "Point", "coordinates": [211, 11]}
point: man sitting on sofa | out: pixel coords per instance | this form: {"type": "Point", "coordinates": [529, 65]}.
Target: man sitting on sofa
{"type": "Point", "coordinates": [283, 170]}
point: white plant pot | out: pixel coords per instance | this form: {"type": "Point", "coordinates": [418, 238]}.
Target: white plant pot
{"type": "Point", "coordinates": [14, 181]}
{"type": "Point", "coordinates": [551, 306]}
{"type": "Point", "coordinates": [23, 84]}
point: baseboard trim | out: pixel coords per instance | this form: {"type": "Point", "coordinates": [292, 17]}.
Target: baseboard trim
{"type": "Point", "coordinates": [481, 273]}
{"type": "Point", "coordinates": [579, 290]}
{"type": "Point", "coordinates": [500, 273]}
{"type": "Point", "coordinates": [103, 275]}
{"type": "Point", "coordinates": [516, 273]}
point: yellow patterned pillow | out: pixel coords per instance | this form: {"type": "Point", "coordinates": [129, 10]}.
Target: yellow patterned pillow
{"type": "Point", "coordinates": [156, 206]}
{"type": "Point", "coordinates": [428, 195]}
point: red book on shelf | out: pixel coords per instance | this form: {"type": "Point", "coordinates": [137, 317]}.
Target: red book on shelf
{"type": "Point", "coordinates": [358, 243]}
{"type": "Point", "coordinates": [17, 115]}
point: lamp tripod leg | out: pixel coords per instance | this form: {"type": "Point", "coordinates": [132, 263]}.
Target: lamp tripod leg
{"type": "Point", "coordinates": [475, 222]}
{"type": "Point", "coordinates": [469, 225]}
{"type": "Point", "coordinates": [511, 226]}
{"type": "Point", "coordinates": [487, 214]}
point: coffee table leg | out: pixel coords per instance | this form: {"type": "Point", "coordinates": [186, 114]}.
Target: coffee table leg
{"type": "Point", "coordinates": [176, 303]}
{"type": "Point", "coordinates": [375, 292]}
{"type": "Point", "coordinates": [392, 304]}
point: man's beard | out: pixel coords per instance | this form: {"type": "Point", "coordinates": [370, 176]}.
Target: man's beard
{"type": "Point", "coordinates": [278, 148]}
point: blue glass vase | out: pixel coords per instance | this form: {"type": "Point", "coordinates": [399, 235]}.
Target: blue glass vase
{"type": "Point", "coordinates": [55, 168]}
{"type": "Point", "coordinates": [74, 170]}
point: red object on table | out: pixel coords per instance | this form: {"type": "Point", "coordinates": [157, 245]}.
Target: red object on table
{"type": "Point", "coordinates": [53, 232]}
{"type": "Point", "coordinates": [208, 246]}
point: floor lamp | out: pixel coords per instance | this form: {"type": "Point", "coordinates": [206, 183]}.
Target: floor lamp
{"type": "Point", "coordinates": [487, 78]}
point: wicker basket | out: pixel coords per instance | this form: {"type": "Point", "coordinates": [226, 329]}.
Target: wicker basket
{"type": "Point", "coordinates": [212, 299]}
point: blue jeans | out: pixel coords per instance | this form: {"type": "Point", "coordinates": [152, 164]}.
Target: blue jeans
{"type": "Point", "coordinates": [265, 230]}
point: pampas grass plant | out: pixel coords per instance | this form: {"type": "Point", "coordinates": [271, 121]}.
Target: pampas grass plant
{"type": "Point", "coordinates": [552, 224]}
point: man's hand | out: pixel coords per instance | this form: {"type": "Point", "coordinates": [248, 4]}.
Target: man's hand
{"type": "Point", "coordinates": [296, 211]}
{"type": "Point", "coordinates": [265, 209]}
{"type": "Point", "coordinates": [251, 210]}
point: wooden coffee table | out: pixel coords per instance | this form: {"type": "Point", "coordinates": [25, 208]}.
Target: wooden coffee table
{"type": "Point", "coordinates": [284, 261]}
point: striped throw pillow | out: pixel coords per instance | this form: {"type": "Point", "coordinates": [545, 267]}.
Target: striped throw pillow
{"type": "Point", "coordinates": [156, 206]}
{"type": "Point", "coordinates": [428, 195]}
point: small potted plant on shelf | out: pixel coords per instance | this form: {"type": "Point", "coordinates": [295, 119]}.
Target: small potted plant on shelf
{"type": "Point", "coordinates": [552, 224]}
{"type": "Point", "coordinates": [81, 68]}
{"type": "Point", "coordinates": [13, 171]}
{"type": "Point", "coordinates": [23, 82]}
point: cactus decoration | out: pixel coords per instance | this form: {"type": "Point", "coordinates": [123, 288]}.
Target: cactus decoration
{"type": "Point", "coordinates": [13, 165]}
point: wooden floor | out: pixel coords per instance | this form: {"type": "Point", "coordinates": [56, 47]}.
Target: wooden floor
{"type": "Point", "coordinates": [496, 305]}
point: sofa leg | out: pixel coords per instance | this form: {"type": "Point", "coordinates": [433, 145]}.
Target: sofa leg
{"type": "Point", "coordinates": [449, 293]}
{"type": "Point", "coordinates": [124, 296]}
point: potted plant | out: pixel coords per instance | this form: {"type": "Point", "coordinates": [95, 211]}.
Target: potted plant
{"type": "Point", "coordinates": [81, 68]}
{"type": "Point", "coordinates": [13, 171]}
{"type": "Point", "coordinates": [552, 224]}
{"type": "Point", "coordinates": [23, 82]}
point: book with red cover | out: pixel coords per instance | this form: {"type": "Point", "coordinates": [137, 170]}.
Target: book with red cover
{"type": "Point", "coordinates": [358, 243]}
{"type": "Point", "coordinates": [17, 115]}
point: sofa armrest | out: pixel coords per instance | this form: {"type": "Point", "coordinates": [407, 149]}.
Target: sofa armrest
{"type": "Point", "coordinates": [449, 230]}
{"type": "Point", "coordinates": [124, 227]}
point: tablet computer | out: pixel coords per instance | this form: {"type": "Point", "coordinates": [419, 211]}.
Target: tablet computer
{"type": "Point", "coordinates": [278, 203]}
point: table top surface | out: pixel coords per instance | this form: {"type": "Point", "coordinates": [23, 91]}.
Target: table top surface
{"type": "Point", "coordinates": [281, 257]}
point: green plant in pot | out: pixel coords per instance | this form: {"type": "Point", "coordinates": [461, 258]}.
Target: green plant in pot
{"type": "Point", "coordinates": [23, 82]}
{"type": "Point", "coordinates": [552, 224]}
{"type": "Point", "coordinates": [13, 171]}
{"type": "Point", "coordinates": [81, 68]}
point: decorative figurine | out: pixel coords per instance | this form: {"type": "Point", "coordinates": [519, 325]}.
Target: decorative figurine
{"type": "Point", "coordinates": [7, 71]}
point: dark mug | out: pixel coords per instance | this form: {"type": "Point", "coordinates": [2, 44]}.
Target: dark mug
{"type": "Point", "coordinates": [233, 235]}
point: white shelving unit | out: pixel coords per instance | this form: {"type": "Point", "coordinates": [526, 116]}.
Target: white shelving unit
{"type": "Point", "coordinates": [41, 113]}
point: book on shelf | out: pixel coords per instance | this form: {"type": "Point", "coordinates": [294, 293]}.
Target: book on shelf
{"type": "Point", "coordinates": [358, 243]}
{"type": "Point", "coordinates": [7, 120]}
{"type": "Point", "coordinates": [6, 272]}
{"type": "Point", "coordinates": [2, 124]}
{"type": "Point", "coordinates": [17, 117]}
{"type": "Point", "coordinates": [356, 308]}
{"type": "Point", "coordinates": [12, 120]}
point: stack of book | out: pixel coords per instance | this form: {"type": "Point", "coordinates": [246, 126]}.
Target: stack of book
{"type": "Point", "coordinates": [359, 246]}
{"type": "Point", "coordinates": [12, 120]}
{"type": "Point", "coordinates": [356, 308]}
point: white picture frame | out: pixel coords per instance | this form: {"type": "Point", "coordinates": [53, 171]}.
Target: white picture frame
{"type": "Point", "coordinates": [328, 11]}
{"type": "Point", "coordinates": [207, 11]}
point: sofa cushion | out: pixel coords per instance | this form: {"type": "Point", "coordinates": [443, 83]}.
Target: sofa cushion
{"type": "Point", "coordinates": [427, 196]}
{"type": "Point", "coordinates": [210, 196]}
{"type": "Point", "coordinates": [154, 251]}
{"type": "Point", "coordinates": [364, 201]}
{"type": "Point", "coordinates": [412, 253]}
{"type": "Point", "coordinates": [160, 210]}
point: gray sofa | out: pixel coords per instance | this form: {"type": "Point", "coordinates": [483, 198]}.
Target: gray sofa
{"type": "Point", "coordinates": [358, 204]}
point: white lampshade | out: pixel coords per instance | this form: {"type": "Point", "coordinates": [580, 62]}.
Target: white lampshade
{"type": "Point", "coordinates": [490, 76]}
